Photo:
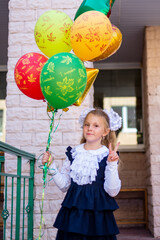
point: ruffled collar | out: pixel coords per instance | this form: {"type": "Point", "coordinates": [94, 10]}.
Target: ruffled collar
{"type": "Point", "coordinates": [86, 164]}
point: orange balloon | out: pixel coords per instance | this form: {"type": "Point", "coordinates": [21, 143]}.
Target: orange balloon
{"type": "Point", "coordinates": [91, 34]}
{"type": "Point", "coordinates": [113, 46]}
{"type": "Point", "coordinates": [91, 77]}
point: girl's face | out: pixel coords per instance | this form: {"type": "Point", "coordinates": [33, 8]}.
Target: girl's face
{"type": "Point", "coordinates": [94, 129]}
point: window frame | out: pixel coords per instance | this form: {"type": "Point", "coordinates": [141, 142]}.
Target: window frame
{"type": "Point", "coordinates": [127, 66]}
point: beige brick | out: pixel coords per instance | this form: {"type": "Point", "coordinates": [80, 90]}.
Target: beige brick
{"type": "Point", "coordinates": [52, 233]}
{"type": "Point", "coordinates": [151, 71]}
{"type": "Point", "coordinates": [155, 179]}
{"type": "Point", "coordinates": [72, 138]}
{"type": "Point", "coordinates": [42, 138]}
{"type": "Point", "coordinates": [41, 113]}
{"type": "Point", "coordinates": [36, 231]}
{"type": "Point", "coordinates": [38, 4]}
{"type": "Point", "coordinates": [17, 4]}
{"type": "Point", "coordinates": [48, 219]}
{"type": "Point", "coordinates": [29, 27]}
{"type": "Point", "coordinates": [25, 101]}
{"type": "Point", "coordinates": [58, 151]}
{"type": "Point", "coordinates": [55, 194]}
{"type": "Point", "coordinates": [27, 48]}
{"type": "Point", "coordinates": [155, 169]}
{"type": "Point", "coordinates": [21, 138]}
{"type": "Point", "coordinates": [20, 114]}
{"type": "Point", "coordinates": [66, 125]}
{"type": "Point", "coordinates": [18, 15]}
{"type": "Point", "coordinates": [16, 27]}
{"type": "Point", "coordinates": [38, 205]}
{"type": "Point", "coordinates": [13, 101]}
{"type": "Point", "coordinates": [11, 65]}
{"type": "Point", "coordinates": [35, 126]}
{"type": "Point", "coordinates": [14, 126]}
{"type": "Point", "coordinates": [14, 51]}
{"type": "Point", "coordinates": [156, 232]}
{"type": "Point", "coordinates": [150, 33]}
{"type": "Point", "coordinates": [154, 149]}
{"type": "Point", "coordinates": [19, 38]}
{"type": "Point", "coordinates": [54, 205]}
{"type": "Point", "coordinates": [63, 4]}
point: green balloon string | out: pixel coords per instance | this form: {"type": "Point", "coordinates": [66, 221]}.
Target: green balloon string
{"type": "Point", "coordinates": [46, 168]}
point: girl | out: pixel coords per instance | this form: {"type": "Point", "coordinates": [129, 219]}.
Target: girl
{"type": "Point", "coordinates": [90, 177]}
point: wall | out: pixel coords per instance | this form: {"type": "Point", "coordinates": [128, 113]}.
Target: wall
{"type": "Point", "coordinates": [151, 61]}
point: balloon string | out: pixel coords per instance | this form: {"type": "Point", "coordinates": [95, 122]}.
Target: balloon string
{"type": "Point", "coordinates": [44, 184]}
{"type": "Point", "coordinates": [45, 167]}
{"type": "Point", "coordinates": [50, 130]}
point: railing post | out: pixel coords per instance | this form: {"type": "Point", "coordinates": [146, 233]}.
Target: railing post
{"type": "Point", "coordinates": [31, 201]}
{"type": "Point", "coordinates": [1, 161]}
{"type": "Point", "coordinates": [18, 200]}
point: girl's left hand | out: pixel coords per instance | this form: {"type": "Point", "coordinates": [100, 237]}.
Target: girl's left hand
{"type": "Point", "coordinates": [113, 156]}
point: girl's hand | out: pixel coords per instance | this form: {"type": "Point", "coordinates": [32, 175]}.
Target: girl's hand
{"type": "Point", "coordinates": [113, 156]}
{"type": "Point", "coordinates": [47, 158]}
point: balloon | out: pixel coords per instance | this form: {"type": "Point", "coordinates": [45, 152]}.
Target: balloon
{"type": "Point", "coordinates": [63, 80]}
{"type": "Point", "coordinates": [52, 32]}
{"type": "Point", "coordinates": [98, 5]}
{"type": "Point", "coordinates": [91, 77]}
{"type": "Point", "coordinates": [91, 34]}
{"type": "Point", "coordinates": [27, 74]}
{"type": "Point", "coordinates": [113, 46]}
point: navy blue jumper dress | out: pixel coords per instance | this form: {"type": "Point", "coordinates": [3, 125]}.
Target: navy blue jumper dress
{"type": "Point", "coordinates": [87, 210]}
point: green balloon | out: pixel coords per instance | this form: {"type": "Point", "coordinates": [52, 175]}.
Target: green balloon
{"type": "Point", "coordinates": [63, 80]}
{"type": "Point", "coordinates": [95, 5]}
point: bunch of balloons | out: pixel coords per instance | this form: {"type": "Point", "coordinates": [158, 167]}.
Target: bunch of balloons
{"type": "Point", "coordinates": [59, 76]}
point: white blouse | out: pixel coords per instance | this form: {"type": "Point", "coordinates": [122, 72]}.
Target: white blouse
{"type": "Point", "coordinates": [83, 170]}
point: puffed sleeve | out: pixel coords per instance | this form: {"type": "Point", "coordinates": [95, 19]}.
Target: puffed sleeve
{"type": "Point", "coordinates": [61, 178]}
{"type": "Point", "coordinates": [112, 183]}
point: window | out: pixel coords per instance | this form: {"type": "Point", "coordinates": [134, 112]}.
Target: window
{"type": "Point", "coordinates": [1, 121]}
{"type": "Point", "coordinates": [2, 104]}
{"type": "Point", "coordinates": [122, 91]}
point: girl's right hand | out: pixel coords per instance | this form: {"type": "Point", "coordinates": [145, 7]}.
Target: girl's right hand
{"type": "Point", "coordinates": [47, 158]}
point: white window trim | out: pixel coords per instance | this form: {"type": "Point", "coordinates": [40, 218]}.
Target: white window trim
{"type": "Point", "coordinates": [125, 128]}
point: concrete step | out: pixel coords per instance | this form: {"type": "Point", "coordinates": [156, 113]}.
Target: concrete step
{"type": "Point", "coordinates": [135, 234]}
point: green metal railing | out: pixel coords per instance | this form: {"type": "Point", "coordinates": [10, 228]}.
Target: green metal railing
{"type": "Point", "coordinates": [20, 214]}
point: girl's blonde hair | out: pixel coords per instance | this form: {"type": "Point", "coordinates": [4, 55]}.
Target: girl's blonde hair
{"type": "Point", "coordinates": [109, 138]}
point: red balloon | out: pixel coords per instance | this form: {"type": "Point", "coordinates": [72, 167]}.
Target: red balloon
{"type": "Point", "coordinates": [27, 74]}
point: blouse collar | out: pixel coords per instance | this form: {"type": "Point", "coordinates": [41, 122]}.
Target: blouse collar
{"type": "Point", "coordinates": [86, 163]}
{"type": "Point", "coordinates": [103, 149]}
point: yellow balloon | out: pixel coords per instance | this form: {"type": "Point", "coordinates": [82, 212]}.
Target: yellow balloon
{"type": "Point", "coordinates": [91, 77]}
{"type": "Point", "coordinates": [91, 34]}
{"type": "Point", "coordinates": [52, 32]}
{"type": "Point", "coordinates": [113, 46]}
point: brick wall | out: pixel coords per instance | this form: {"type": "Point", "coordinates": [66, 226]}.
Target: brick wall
{"type": "Point", "coordinates": [151, 66]}
{"type": "Point", "coordinates": [132, 171]}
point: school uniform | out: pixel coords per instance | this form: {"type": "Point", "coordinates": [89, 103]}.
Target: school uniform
{"type": "Point", "coordinates": [87, 209]}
